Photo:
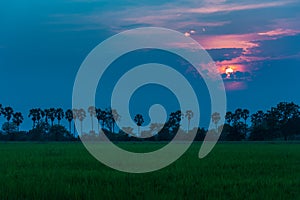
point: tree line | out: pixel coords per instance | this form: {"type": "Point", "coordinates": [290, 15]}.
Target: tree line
{"type": "Point", "coordinates": [281, 122]}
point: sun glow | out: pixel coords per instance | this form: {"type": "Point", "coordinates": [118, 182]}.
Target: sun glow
{"type": "Point", "coordinates": [229, 71]}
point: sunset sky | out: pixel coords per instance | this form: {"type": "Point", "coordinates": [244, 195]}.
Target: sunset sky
{"type": "Point", "coordinates": [43, 43]}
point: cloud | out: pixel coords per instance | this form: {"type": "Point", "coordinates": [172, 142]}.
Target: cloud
{"type": "Point", "coordinates": [280, 32]}
{"type": "Point", "coordinates": [281, 48]}
{"type": "Point", "coordinates": [225, 54]}
{"type": "Point", "coordinates": [230, 7]}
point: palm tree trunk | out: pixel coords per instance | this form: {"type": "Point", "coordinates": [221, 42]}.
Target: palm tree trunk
{"type": "Point", "coordinates": [74, 129]}
{"type": "Point", "coordinates": [92, 123]}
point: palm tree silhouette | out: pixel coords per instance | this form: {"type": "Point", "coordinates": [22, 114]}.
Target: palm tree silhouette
{"type": "Point", "coordinates": [115, 117]}
{"type": "Point", "coordinates": [75, 116]}
{"type": "Point", "coordinates": [69, 117]}
{"type": "Point", "coordinates": [81, 116]}
{"type": "Point", "coordinates": [92, 111]}
{"type": "Point", "coordinates": [189, 115]}
{"type": "Point", "coordinates": [40, 114]}
{"type": "Point", "coordinates": [59, 114]}
{"type": "Point", "coordinates": [245, 115]}
{"type": "Point", "coordinates": [8, 113]}
{"type": "Point", "coordinates": [18, 119]}
{"type": "Point", "coordinates": [47, 113]}
{"type": "Point", "coordinates": [33, 114]}
{"type": "Point", "coordinates": [1, 109]}
{"type": "Point", "coordinates": [52, 114]}
{"type": "Point", "coordinates": [139, 120]}
{"type": "Point", "coordinates": [216, 117]}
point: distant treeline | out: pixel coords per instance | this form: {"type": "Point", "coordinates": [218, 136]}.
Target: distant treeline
{"type": "Point", "coordinates": [278, 123]}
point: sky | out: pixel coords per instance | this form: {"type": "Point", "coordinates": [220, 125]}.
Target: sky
{"type": "Point", "coordinates": [43, 43]}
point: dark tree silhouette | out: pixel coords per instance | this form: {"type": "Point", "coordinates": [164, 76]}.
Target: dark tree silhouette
{"type": "Point", "coordinates": [139, 120]}
{"type": "Point", "coordinates": [245, 115]}
{"type": "Point", "coordinates": [59, 114]}
{"type": "Point", "coordinates": [109, 119]}
{"type": "Point", "coordinates": [47, 114]}
{"type": "Point", "coordinates": [51, 116]}
{"type": "Point", "coordinates": [18, 119]}
{"type": "Point", "coordinates": [75, 117]}
{"type": "Point", "coordinates": [1, 109]}
{"type": "Point", "coordinates": [229, 117]}
{"type": "Point", "coordinates": [33, 114]}
{"type": "Point", "coordinates": [69, 117]}
{"type": "Point", "coordinates": [8, 114]}
{"type": "Point", "coordinates": [115, 117]}
{"type": "Point", "coordinates": [101, 116]}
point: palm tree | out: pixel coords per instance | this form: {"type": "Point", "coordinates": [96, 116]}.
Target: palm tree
{"type": "Point", "coordinates": [1, 109]}
{"type": "Point", "coordinates": [33, 114]}
{"type": "Point", "coordinates": [59, 114]}
{"type": "Point", "coordinates": [92, 111]}
{"type": "Point", "coordinates": [115, 117]}
{"type": "Point", "coordinates": [101, 116]}
{"type": "Point", "coordinates": [18, 119]}
{"type": "Point", "coordinates": [47, 114]}
{"type": "Point", "coordinates": [216, 117]}
{"type": "Point", "coordinates": [139, 120]}
{"type": "Point", "coordinates": [51, 115]}
{"type": "Point", "coordinates": [229, 117]}
{"type": "Point", "coordinates": [8, 113]}
{"type": "Point", "coordinates": [69, 117]}
{"type": "Point", "coordinates": [81, 116]}
{"type": "Point", "coordinates": [40, 115]}
{"type": "Point", "coordinates": [109, 119]}
{"type": "Point", "coordinates": [189, 115]}
{"type": "Point", "coordinates": [245, 115]}
{"type": "Point", "coordinates": [75, 116]}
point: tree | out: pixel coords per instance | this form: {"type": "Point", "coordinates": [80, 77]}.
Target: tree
{"type": "Point", "coordinates": [109, 119]}
{"type": "Point", "coordinates": [229, 117]}
{"type": "Point", "coordinates": [1, 109]}
{"type": "Point", "coordinates": [173, 124]}
{"type": "Point", "coordinates": [189, 115]}
{"type": "Point", "coordinates": [139, 120]}
{"type": "Point", "coordinates": [92, 111]}
{"type": "Point", "coordinates": [18, 119]}
{"type": "Point", "coordinates": [59, 114]}
{"type": "Point", "coordinates": [59, 133]}
{"type": "Point", "coordinates": [216, 117]}
{"type": "Point", "coordinates": [47, 114]}
{"type": "Point", "coordinates": [101, 116]}
{"type": "Point", "coordinates": [245, 115]}
{"type": "Point", "coordinates": [81, 116]}
{"type": "Point", "coordinates": [75, 116]}
{"type": "Point", "coordinates": [51, 115]}
{"type": "Point", "coordinates": [33, 115]}
{"type": "Point", "coordinates": [69, 117]}
{"type": "Point", "coordinates": [115, 117]}
{"type": "Point", "coordinates": [284, 112]}
{"type": "Point", "coordinates": [8, 114]}
{"type": "Point", "coordinates": [10, 128]}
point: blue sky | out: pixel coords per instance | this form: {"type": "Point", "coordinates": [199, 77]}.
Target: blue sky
{"type": "Point", "coordinates": [43, 43]}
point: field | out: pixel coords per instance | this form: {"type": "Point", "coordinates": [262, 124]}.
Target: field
{"type": "Point", "coordinates": [231, 171]}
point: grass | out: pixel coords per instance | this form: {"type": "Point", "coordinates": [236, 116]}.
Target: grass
{"type": "Point", "coordinates": [231, 171]}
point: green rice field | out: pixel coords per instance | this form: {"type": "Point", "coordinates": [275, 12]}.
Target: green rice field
{"type": "Point", "coordinates": [230, 171]}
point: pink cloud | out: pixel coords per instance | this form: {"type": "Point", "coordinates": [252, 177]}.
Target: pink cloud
{"type": "Point", "coordinates": [280, 32]}
{"type": "Point", "coordinates": [234, 7]}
